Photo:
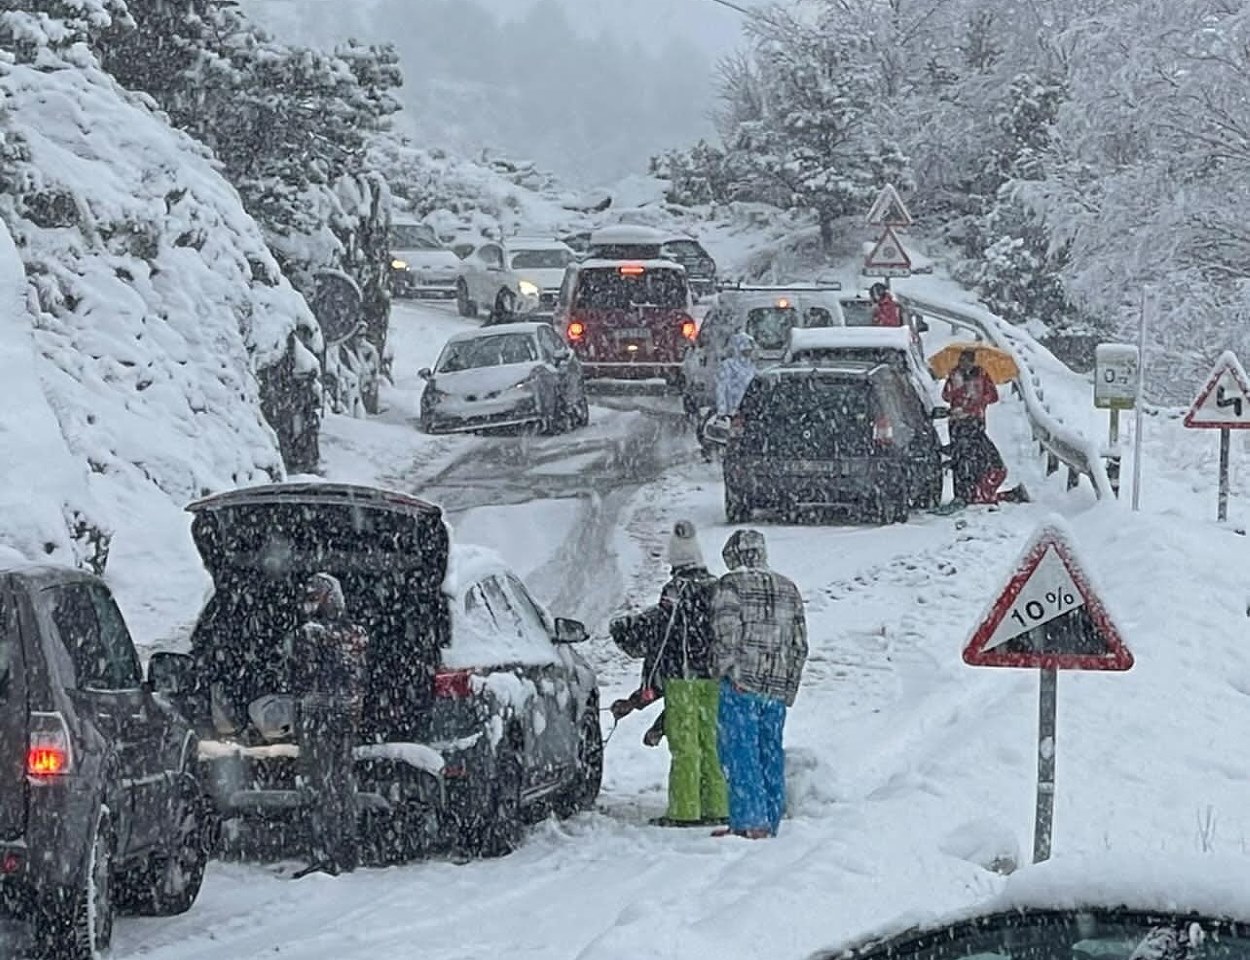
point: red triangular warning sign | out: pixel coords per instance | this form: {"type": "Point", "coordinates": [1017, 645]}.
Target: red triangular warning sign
{"type": "Point", "coordinates": [888, 254]}
{"type": "Point", "coordinates": [1224, 400]}
{"type": "Point", "coordinates": [888, 210]}
{"type": "Point", "coordinates": [1048, 616]}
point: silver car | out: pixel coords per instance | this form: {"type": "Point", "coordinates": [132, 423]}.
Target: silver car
{"type": "Point", "coordinates": [510, 375]}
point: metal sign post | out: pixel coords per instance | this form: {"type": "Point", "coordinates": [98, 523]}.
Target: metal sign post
{"type": "Point", "coordinates": [1047, 710]}
{"type": "Point", "coordinates": [1139, 425]}
{"type": "Point", "coordinates": [1222, 404]}
{"type": "Point", "coordinates": [1047, 618]}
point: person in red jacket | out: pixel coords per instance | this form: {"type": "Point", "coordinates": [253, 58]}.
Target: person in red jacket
{"type": "Point", "coordinates": [977, 466]}
{"type": "Point", "coordinates": [885, 310]}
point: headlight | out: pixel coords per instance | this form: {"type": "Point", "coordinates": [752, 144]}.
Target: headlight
{"type": "Point", "coordinates": [399, 264]}
{"type": "Point", "coordinates": [528, 289]}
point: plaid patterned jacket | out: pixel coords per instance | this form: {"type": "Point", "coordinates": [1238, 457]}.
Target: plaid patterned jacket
{"type": "Point", "coordinates": [760, 633]}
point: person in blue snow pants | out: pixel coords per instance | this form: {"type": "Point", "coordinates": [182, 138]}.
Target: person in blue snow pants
{"type": "Point", "coordinates": [749, 740]}
{"type": "Point", "coordinates": [759, 651]}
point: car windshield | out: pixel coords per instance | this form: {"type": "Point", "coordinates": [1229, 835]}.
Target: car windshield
{"type": "Point", "coordinates": [1070, 935]}
{"type": "Point", "coordinates": [808, 417]}
{"type": "Point", "coordinates": [770, 326]}
{"type": "Point", "coordinates": [858, 313]}
{"type": "Point", "coordinates": [609, 289]}
{"type": "Point", "coordinates": [490, 351]}
{"type": "Point", "coordinates": [541, 259]}
{"type": "Point", "coordinates": [414, 237]}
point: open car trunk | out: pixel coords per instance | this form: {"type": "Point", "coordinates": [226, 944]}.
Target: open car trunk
{"type": "Point", "coordinates": [388, 550]}
{"type": "Point", "coordinates": [14, 719]}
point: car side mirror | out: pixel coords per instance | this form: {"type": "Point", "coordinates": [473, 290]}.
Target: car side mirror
{"type": "Point", "coordinates": [571, 631]}
{"type": "Point", "coordinates": [920, 323]}
{"type": "Point", "coordinates": [939, 413]}
{"type": "Point", "coordinates": [171, 674]}
{"type": "Point", "coordinates": [425, 373]}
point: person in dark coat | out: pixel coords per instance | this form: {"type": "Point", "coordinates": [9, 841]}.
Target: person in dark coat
{"type": "Point", "coordinates": [679, 645]}
{"type": "Point", "coordinates": [329, 659]}
{"type": "Point", "coordinates": [977, 466]}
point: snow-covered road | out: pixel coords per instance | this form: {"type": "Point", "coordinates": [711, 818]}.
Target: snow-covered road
{"type": "Point", "coordinates": [907, 770]}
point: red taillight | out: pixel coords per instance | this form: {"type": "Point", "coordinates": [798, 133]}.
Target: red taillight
{"type": "Point", "coordinates": [453, 684]}
{"type": "Point", "coordinates": [882, 430]}
{"type": "Point", "coordinates": [633, 270]}
{"type": "Point", "coordinates": [11, 863]}
{"type": "Point", "coordinates": [737, 425]}
{"type": "Point", "coordinates": [576, 330]}
{"type": "Point", "coordinates": [48, 750]}
{"type": "Point", "coordinates": [689, 329]}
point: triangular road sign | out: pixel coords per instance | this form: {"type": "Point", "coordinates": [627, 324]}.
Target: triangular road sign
{"type": "Point", "coordinates": [1048, 616]}
{"type": "Point", "coordinates": [888, 254]}
{"type": "Point", "coordinates": [1224, 400]}
{"type": "Point", "coordinates": [888, 210]}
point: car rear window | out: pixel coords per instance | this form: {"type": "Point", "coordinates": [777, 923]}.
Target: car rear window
{"type": "Point", "coordinates": [541, 259]}
{"type": "Point", "coordinates": [770, 327]}
{"type": "Point", "coordinates": [807, 418]}
{"type": "Point", "coordinates": [612, 290]}
{"type": "Point", "coordinates": [8, 644]}
{"type": "Point", "coordinates": [500, 350]}
{"type": "Point", "coordinates": [685, 250]}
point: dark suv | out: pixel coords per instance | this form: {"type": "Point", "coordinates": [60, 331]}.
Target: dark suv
{"type": "Point", "coordinates": [477, 711]}
{"type": "Point", "coordinates": [99, 802]}
{"type": "Point", "coordinates": [851, 435]}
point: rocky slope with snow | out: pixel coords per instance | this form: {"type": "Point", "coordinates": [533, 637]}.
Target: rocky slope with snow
{"type": "Point", "coordinates": [150, 314]}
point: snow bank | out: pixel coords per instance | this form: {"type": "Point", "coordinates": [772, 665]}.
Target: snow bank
{"type": "Point", "coordinates": [416, 755]}
{"type": "Point", "coordinates": [44, 493]}
{"type": "Point", "coordinates": [153, 303]}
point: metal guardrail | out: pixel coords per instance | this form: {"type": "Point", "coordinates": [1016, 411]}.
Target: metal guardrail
{"type": "Point", "coordinates": [1057, 442]}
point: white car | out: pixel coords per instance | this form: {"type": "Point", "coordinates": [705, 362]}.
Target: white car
{"type": "Point", "coordinates": [514, 278]}
{"type": "Point", "coordinates": [897, 346]}
{"type": "Point", "coordinates": [420, 265]}
{"type": "Point", "coordinates": [767, 313]}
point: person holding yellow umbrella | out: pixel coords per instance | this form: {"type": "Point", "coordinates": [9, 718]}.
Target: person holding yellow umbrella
{"type": "Point", "coordinates": [976, 465]}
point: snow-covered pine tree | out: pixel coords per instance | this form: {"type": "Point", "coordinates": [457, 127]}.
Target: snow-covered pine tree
{"type": "Point", "coordinates": [291, 127]}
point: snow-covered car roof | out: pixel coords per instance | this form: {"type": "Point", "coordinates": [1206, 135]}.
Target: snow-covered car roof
{"type": "Point", "coordinates": [605, 264]}
{"type": "Point", "coordinates": [313, 492]}
{"type": "Point", "coordinates": [1209, 885]}
{"type": "Point", "coordinates": [530, 328]}
{"type": "Point", "coordinates": [748, 299]}
{"type": "Point", "coordinates": [467, 564]}
{"type": "Point", "coordinates": [830, 338]}
{"type": "Point", "coordinates": [536, 243]}
{"type": "Point", "coordinates": [627, 233]}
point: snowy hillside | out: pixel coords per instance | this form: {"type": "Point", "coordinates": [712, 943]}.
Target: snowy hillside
{"type": "Point", "coordinates": [154, 304]}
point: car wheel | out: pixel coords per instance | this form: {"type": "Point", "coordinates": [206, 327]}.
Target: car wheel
{"type": "Point", "coordinates": [464, 306]}
{"type": "Point", "coordinates": [501, 827]}
{"type": "Point", "coordinates": [79, 922]}
{"type": "Point", "coordinates": [581, 413]}
{"type": "Point", "coordinates": [588, 775]}
{"type": "Point", "coordinates": [737, 509]}
{"type": "Point", "coordinates": [169, 880]}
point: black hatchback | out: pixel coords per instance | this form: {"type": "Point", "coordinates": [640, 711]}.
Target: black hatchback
{"type": "Point", "coordinates": [852, 435]}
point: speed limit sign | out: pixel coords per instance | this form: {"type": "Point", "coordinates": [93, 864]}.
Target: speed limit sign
{"type": "Point", "coordinates": [1115, 376]}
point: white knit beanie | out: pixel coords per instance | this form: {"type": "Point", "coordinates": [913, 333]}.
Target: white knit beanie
{"type": "Point", "coordinates": [683, 546]}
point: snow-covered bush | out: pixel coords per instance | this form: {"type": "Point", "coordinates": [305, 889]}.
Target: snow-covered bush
{"type": "Point", "coordinates": [161, 329]}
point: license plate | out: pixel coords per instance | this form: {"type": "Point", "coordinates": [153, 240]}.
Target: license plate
{"type": "Point", "coordinates": [632, 333]}
{"type": "Point", "coordinates": [817, 468]}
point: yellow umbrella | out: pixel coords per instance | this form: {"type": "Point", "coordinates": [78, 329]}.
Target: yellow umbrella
{"type": "Point", "coordinates": [997, 363]}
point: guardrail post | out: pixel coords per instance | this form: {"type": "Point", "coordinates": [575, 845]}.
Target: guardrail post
{"type": "Point", "coordinates": [1074, 478]}
{"type": "Point", "coordinates": [1052, 464]}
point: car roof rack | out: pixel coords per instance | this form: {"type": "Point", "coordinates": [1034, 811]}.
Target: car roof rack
{"type": "Point", "coordinates": [738, 285]}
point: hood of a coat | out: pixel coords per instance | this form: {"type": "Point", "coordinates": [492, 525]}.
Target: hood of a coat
{"type": "Point", "coordinates": [746, 548]}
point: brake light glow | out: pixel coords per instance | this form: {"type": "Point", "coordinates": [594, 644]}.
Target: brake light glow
{"type": "Point", "coordinates": [882, 430]}
{"type": "Point", "coordinates": [576, 330]}
{"type": "Point", "coordinates": [783, 303]}
{"type": "Point", "coordinates": [11, 863]}
{"type": "Point", "coordinates": [453, 684]}
{"type": "Point", "coordinates": [48, 749]}
{"type": "Point", "coordinates": [633, 270]}
{"type": "Point", "coordinates": [737, 425]}
{"type": "Point", "coordinates": [689, 329]}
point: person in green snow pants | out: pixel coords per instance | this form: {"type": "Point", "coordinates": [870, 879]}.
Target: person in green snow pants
{"type": "Point", "coordinates": [675, 640]}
